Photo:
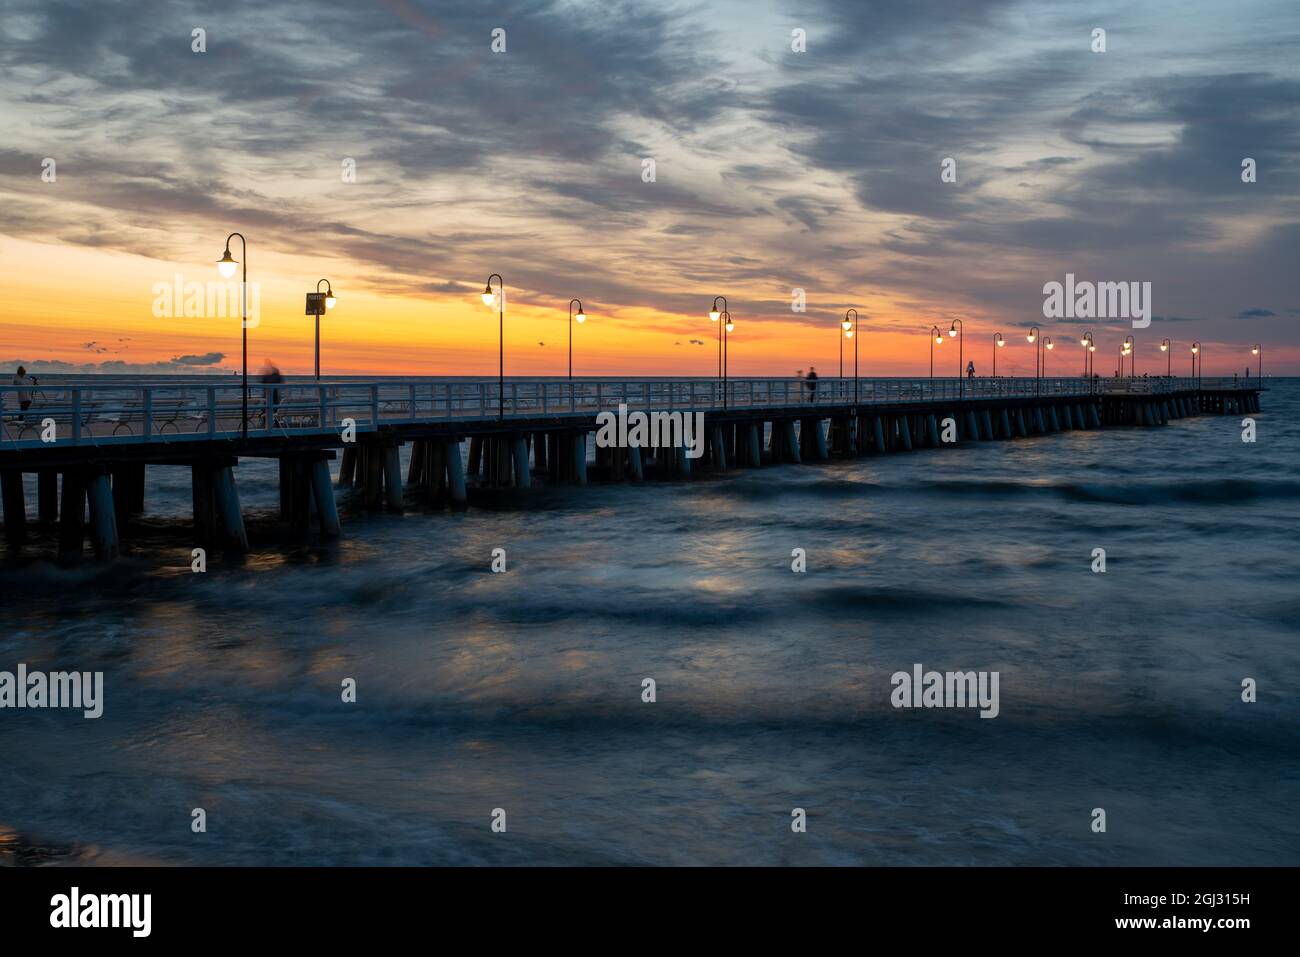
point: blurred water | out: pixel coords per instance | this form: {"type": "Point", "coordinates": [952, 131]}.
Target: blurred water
{"type": "Point", "coordinates": [523, 691]}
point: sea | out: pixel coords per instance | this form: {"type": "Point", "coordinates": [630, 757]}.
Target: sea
{"type": "Point", "coordinates": [650, 682]}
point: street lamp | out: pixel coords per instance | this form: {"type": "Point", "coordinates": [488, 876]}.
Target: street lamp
{"type": "Point", "coordinates": [1196, 348]}
{"type": "Point", "coordinates": [846, 324]}
{"type": "Point", "coordinates": [1169, 357]}
{"type": "Point", "coordinates": [998, 343]}
{"type": "Point", "coordinates": [1047, 344]}
{"type": "Point", "coordinates": [1258, 350]}
{"type": "Point", "coordinates": [1033, 339]}
{"type": "Point", "coordinates": [500, 297]}
{"type": "Point", "coordinates": [581, 317]}
{"type": "Point", "coordinates": [935, 338]}
{"type": "Point", "coordinates": [727, 327]}
{"type": "Point", "coordinates": [714, 314]}
{"type": "Point", "coordinates": [226, 266]}
{"type": "Point", "coordinates": [958, 329]}
{"type": "Point", "coordinates": [848, 334]}
{"type": "Point", "coordinates": [1088, 349]}
{"type": "Point", "coordinates": [317, 303]}
{"type": "Point", "coordinates": [1129, 345]}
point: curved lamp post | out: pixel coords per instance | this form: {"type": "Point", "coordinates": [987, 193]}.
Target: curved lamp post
{"type": "Point", "coordinates": [936, 338]}
{"type": "Point", "coordinates": [226, 266]}
{"type": "Point", "coordinates": [1088, 348]}
{"type": "Point", "coordinates": [1033, 337]}
{"type": "Point", "coordinates": [847, 325]}
{"type": "Point", "coordinates": [1165, 347]}
{"type": "Point", "coordinates": [1130, 349]}
{"type": "Point", "coordinates": [1048, 345]}
{"type": "Point", "coordinates": [500, 296]}
{"type": "Point", "coordinates": [1258, 350]}
{"type": "Point", "coordinates": [1196, 348]}
{"type": "Point", "coordinates": [581, 317]}
{"type": "Point", "coordinates": [727, 326]}
{"type": "Point", "coordinates": [714, 315]}
{"type": "Point", "coordinates": [958, 329]}
{"type": "Point", "coordinates": [998, 343]}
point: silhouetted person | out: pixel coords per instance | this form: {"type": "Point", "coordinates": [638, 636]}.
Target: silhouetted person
{"type": "Point", "coordinates": [812, 384]}
{"type": "Point", "coordinates": [271, 373]}
{"type": "Point", "coordinates": [24, 395]}
{"type": "Point", "coordinates": [970, 369]}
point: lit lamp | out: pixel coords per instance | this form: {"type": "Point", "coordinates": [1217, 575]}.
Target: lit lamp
{"type": "Point", "coordinates": [500, 297]}
{"type": "Point", "coordinates": [317, 303]}
{"type": "Point", "coordinates": [226, 266]}
{"type": "Point", "coordinates": [1196, 348]}
{"type": "Point", "coordinates": [1258, 350]}
{"type": "Point", "coordinates": [581, 317]}
{"type": "Point", "coordinates": [1129, 345]}
{"type": "Point", "coordinates": [1088, 349]}
{"type": "Point", "coordinates": [936, 339]}
{"type": "Point", "coordinates": [714, 315]}
{"type": "Point", "coordinates": [847, 326]}
{"type": "Point", "coordinates": [1047, 344]}
{"type": "Point", "coordinates": [1169, 357]}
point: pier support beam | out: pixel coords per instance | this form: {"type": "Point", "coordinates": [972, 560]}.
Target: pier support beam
{"type": "Point", "coordinates": [103, 516]}
{"type": "Point", "coordinates": [225, 499]}
{"type": "Point", "coordinates": [393, 477]}
{"type": "Point", "coordinates": [905, 432]}
{"type": "Point", "coordinates": [15, 506]}
{"type": "Point", "coordinates": [72, 514]}
{"type": "Point", "coordinates": [348, 465]}
{"type": "Point", "coordinates": [327, 510]}
{"type": "Point", "coordinates": [519, 447]}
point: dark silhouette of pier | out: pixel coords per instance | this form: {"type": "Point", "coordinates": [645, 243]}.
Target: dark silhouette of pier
{"type": "Point", "coordinates": [90, 440]}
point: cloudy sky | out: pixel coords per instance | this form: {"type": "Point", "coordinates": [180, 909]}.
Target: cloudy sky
{"type": "Point", "coordinates": [775, 170]}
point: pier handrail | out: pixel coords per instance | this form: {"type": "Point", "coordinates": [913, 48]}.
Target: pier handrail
{"type": "Point", "coordinates": [123, 411]}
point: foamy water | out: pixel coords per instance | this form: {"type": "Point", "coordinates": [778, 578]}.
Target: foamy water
{"type": "Point", "coordinates": [522, 690]}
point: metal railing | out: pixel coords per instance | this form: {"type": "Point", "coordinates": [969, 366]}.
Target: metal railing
{"type": "Point", "coordinates": [106, 413]}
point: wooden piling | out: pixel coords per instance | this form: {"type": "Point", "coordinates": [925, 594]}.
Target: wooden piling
{"type": "Point", "coordinates": [225, 495]}
{"type": "Point", "coordinates": [327, 511]}
{"type": "Point", "coordinates": [393, 478]}
{"type": "Point", "coordinates": [347, 465]}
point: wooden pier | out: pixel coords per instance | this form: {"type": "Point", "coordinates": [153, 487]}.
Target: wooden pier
{"type": "Point", "coordinates": [89, 441]}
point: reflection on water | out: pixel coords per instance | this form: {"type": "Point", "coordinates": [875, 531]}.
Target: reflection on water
{"type": "Point", "coordinates": [523, 690]}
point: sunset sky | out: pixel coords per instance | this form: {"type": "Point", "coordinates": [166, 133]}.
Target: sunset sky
{"type": "Point", "coordinates": [774, 170]}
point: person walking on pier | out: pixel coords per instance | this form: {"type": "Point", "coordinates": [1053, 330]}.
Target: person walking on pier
{"type": "Point", "coordinates": [24, 395]}
{"type": "Point", "coordinates": [812, 384]}
{"type": "Point", "coordinates": [970, 369]}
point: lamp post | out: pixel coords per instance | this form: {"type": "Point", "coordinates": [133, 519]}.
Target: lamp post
{"type": "Point", "coordinates": [1047, 344]}
{"type": "Point", "coordinates": [1165, 347]}
{"type": "Point", "coordinates": [998, 343]}
{"type": "Point", "coordinates": [958, 329]}
{"type": "Point", "coordinates": [226, 266]}
{"type": "Point", "coordinates": [847, 325]}
{"type": "Point", "coordinates": [936, 337]}
{"type": "Point", "coordinates": [1086, 342]}
{"type": "Point", "coordinates": [1130, 351]}
{"type": "Point", "coordinates": [581, 317]}
{"type": "Point", "coordinates": [727, 327]}
{"type": "Point", "coordinates": [500, 296]}
{"type": "Point", "coordinates": [1258, 350]}
{"type": "Point", "coordinates": [1033, 339]}
{"type": "Point", "coordinates": [317, 303]}
{"type": "Point", "coordinates": [714, 315]}
{"type": "Point", "coordinates": [1196, 348]}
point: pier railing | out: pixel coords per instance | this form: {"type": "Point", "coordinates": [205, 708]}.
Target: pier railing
{"type": "Point", "coordinates": [89, 412]}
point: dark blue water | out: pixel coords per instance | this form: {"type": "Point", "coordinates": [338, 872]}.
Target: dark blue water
{"type": "Point", "coordinates": [522, 690]}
